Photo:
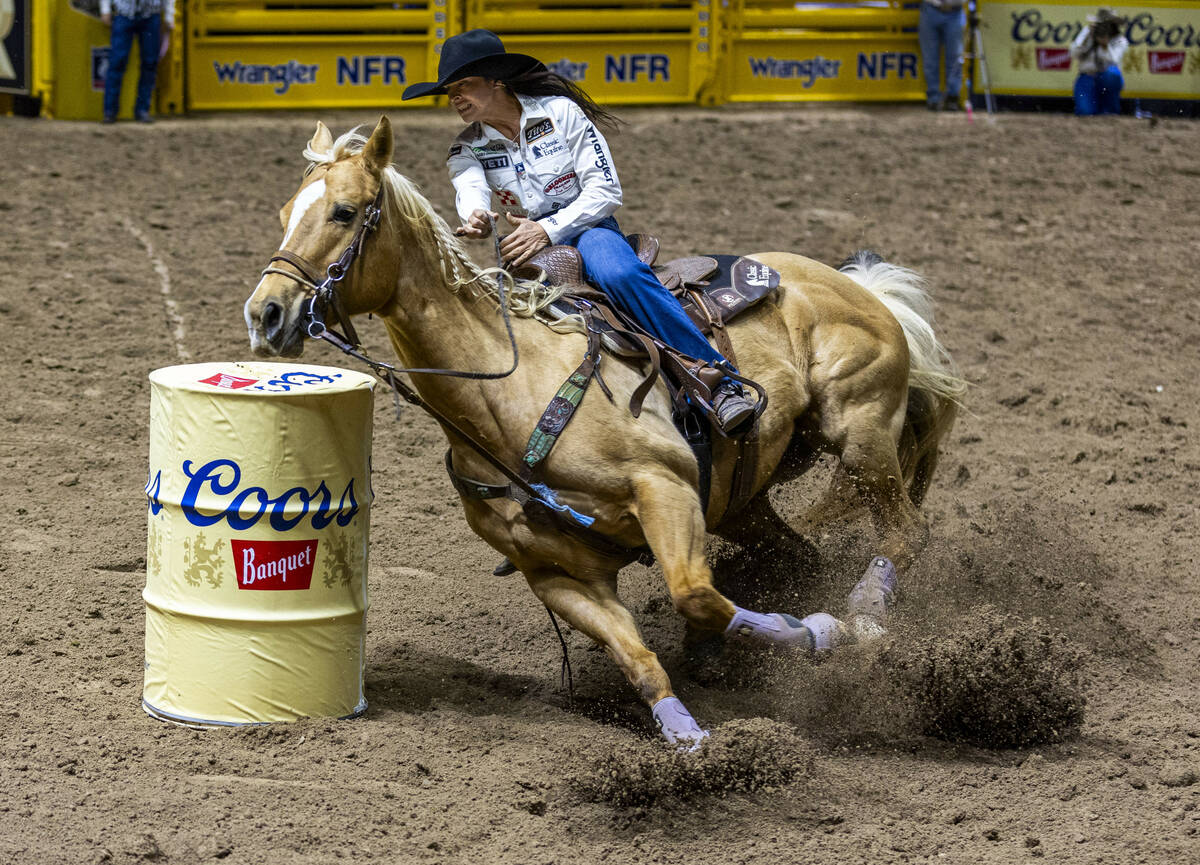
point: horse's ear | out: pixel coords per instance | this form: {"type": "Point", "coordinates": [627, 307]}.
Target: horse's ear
{"type": "Point", "coordinates": [377, 154]}
{"type": "Point", "coordinates": [322, 140]}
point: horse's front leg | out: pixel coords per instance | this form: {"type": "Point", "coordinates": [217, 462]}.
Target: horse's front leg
{"type": "Point", "coordinates": [594, 608]}
{"type": "Point", "coordinates": [673, 524]}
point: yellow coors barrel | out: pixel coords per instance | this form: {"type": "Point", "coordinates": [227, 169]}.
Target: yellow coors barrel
{"type": "Point", "coordinates": [256, 566]}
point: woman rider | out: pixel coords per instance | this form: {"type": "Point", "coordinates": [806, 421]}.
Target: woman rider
{"type": "Point", "coordinates": [532, 140]}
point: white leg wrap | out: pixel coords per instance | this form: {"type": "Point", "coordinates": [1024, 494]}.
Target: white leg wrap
{"type": "Point", "coordinates": [769, 628]}
{"type": "Point", "coordinates": [677, 724]}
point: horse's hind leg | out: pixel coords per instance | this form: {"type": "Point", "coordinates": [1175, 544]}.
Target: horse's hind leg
{"type": "Point", "coordinates": [594, 608]}
{"type": "Point", "coordinates": [872, 464]}
{"type": "Point", "coordinates": [870, 459]}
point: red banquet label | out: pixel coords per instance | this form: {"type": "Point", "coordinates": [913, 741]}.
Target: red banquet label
{"type": "Point", "coordinates": [274, 565]}
{"type": "Point", "coordinates": [561, 184]}
{"type": "Point", "coordinates": [227, 381]}
{"type": "Point", "coordinates": [1053, 58]}
{"type": "Point", "coordinates": [1166, 62]}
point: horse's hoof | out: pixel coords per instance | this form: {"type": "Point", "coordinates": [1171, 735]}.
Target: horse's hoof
{"type": "Point", "coordinates": [871, 598]}
{"type": "Point", "coordinates": [828, 633]}
{"type": "Point", "coordinates": [677, 725]}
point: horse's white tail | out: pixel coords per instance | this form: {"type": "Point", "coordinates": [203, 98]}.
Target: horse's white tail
{"type": "Point", "coordinates": [935, 389]}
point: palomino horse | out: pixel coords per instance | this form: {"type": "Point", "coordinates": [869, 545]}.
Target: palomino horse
{"type": "Point", "coordinates": [849, 359]}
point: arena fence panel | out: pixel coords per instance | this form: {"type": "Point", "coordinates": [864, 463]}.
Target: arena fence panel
{"type": "Point", "coordinates": [311, 53]}
{"type": "Point", "coordinates": [855, 50]}
{"type": "Point", "coordinates": [619, 51]}
{"type": "Point", "coordinates": [1028, 48]}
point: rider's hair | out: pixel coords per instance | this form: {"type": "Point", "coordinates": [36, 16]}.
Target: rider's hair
{"type": "Point", "coordinates": [540, 81]}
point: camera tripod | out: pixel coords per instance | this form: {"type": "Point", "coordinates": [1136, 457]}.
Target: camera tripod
{"type": "Point", "coordinates": [977, 57]}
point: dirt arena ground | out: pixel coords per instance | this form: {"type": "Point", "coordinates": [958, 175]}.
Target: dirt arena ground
{"type": "Point", "coordinates": [1061, 256]}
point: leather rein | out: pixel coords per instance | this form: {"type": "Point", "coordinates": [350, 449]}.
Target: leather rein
{"type": "Point", "coordinates": [324, 297]}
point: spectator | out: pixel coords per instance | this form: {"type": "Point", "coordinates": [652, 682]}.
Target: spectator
{"type": "Point", "coordinates": [1099, 48]}
{"type": "Point", "coordinates": [940, 33]}
{"type": "Point", "coordinates": [145, 20]}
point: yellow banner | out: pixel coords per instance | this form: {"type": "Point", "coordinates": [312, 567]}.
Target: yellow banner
{"type": "Point", "coordinates": [305, 71]}
{"type": "Point", "coordinates": [627, 69]}
{"type": "Point", "coordinates": [797, 67]}
{"type": "Point", "coordinates": [1027, 46]}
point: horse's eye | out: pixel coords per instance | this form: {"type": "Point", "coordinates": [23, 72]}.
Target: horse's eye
{"type": "Point", "coordinates": [343, 213]}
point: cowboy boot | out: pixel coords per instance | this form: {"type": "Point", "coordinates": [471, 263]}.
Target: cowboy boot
{"type": "Point", "coordinates": [734, 411]}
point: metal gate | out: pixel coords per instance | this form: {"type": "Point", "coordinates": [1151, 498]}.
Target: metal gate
{"type": "Point", "coordinates": [311, 53]}
{"type": "Point", "coordinates": [619, 51]}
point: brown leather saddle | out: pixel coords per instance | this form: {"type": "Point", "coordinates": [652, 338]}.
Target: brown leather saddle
{"type": "Point", "coordinates": [712, 290]}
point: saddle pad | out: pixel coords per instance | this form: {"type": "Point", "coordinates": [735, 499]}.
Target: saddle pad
{"type": "Point", "coordinates": [737, 284]}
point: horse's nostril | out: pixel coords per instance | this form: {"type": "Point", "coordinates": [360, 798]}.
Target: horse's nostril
{"type": "Point", "coordinates": [272, 319]}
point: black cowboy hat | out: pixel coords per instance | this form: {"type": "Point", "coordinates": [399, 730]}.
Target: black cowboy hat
{"type": "Point", "coordinates": [1104, 15]}
{"type": "Point", "coordinates": [476, 52]}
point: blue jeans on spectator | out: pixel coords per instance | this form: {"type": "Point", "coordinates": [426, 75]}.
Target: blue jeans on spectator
{"type": "Point", "coordinates": [148, 31]}
{"type": "Point", "coordinates": [610, 264]}
{"type": "Point", "coordinates": [940, 34]}
{"type": "Point", "coordinates": [1099, 94]}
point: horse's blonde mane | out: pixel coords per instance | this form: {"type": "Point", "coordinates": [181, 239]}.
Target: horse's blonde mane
{"type": "Point", "coordinates": [402, 200]}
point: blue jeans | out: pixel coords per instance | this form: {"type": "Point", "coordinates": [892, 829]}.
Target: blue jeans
{"type": "Point", "coordinates": [941, 33]}
{"type": "Point", "coordinates": [1099, 94]}
{"type": "Point", "coordinates": [610, 264]}
{"type": "Point", "coordinates": [148, 31]}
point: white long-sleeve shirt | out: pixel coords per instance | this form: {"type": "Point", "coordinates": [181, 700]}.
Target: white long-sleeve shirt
{"type": "Point", "coordinates": [1094, 62]}
{"type": "Point", "coordinates": [559, 169]}
{"type": "Point", "coordinates": [140, 9]}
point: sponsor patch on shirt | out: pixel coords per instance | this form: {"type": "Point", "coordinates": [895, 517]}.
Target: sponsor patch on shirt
{"type": "Point", "coordinates": [454, 150]}
{"type": "Point", "coordinates": [549, 148]}
{"type": "Point", "coordinates": [538, 130]}
{"type": "Point", "coordinates": [491, 163]}
{"type": "Point", "coordinates": [562, 184]}
{"type": "Point", "coordinates": [490, 147]}
{"type": "Point", "coordinates": [507, 198]}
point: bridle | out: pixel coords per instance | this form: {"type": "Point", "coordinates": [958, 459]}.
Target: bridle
{"type": "Point", "coordinates": [323, 297]}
